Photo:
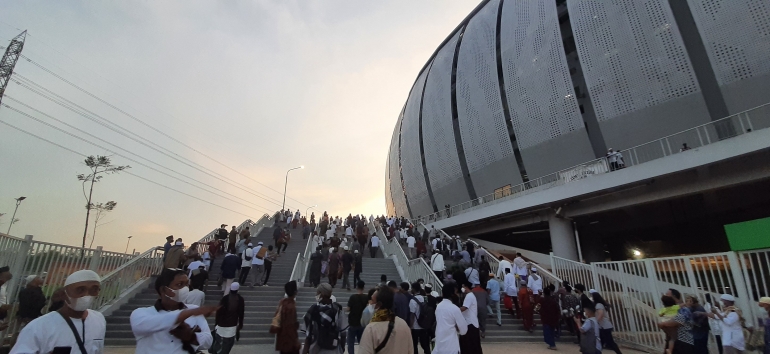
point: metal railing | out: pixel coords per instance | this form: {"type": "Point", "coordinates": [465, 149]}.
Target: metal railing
{"type": "Point", "coordinates": [299, 272]}
{"type": "Point", "coordinates": [634, 287]}
{"type": "Point", "coordinates": [709, 133]}
{"type": "Point", "coordinates": [134, 271]}
{"type": "Point", "coordinates": [410, 269]}
{"type": "Point", "coordinates": [494, 262]}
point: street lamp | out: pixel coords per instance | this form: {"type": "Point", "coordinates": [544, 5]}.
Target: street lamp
{"type": "Point", "coordinates": [308, 209]}
{"type": "Point", "coordinates": [127, 242]}
{"type": "Point", "coordinates": [283, 206]}
{"type": "Point", "coordinates": [18, 201]}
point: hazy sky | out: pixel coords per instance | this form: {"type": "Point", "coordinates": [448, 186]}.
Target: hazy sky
{"type": "Point", "coordinates": [259, 86]}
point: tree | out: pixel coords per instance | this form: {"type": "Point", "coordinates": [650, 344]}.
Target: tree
{"type": "Point", "coordinates": [101, 210]}
{"type": "Point", "coordinates": [100, 166]}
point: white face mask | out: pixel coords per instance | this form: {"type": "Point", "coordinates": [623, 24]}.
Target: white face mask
{"type": "Point", "coordinates": [465, 290]}
{"type": "Point", "coordinates": [179, 295]}
{"type": "Point", "coordinates": [80, 304]}
{"type": "Point", "coordinates": [318, 298]}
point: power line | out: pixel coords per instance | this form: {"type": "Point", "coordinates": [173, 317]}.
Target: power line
{"type": "Point", "coordinates": [109, 125]}
{"type": "Point", "coordinates": [129, 173]}
{"type": "Point", "coordinates": [147, 125]}
{"type": "Point", "coordinates": [123, 156]}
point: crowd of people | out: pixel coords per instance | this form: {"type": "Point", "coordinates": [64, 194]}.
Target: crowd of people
{"type": "Point", "coordinates": [384, 318]}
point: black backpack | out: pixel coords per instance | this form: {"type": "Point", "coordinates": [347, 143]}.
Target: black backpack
{"type": "Point", "coordinates": [439, 245]}
{"type": "Point", "coordinates": [427, 318]}
{"type": "Point", "coordinates": [247, 258]}
{"type": "Point", "coordinates": [325, 331]}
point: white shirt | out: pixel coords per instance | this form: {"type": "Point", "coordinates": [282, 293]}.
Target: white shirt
{"type": "Point", "coordinates": [447, 317]}
{"type": "Point", "coordinates": [410, 241]}
{"type": "Point", "coordinates": [151, 330]}
{"type": "Point", "coordinates": [349, 231]}
{"type": "Point", "coordinates": [434, 242]}
{"type": "Point", "coordinates": [249, 252]}
{"type": "Point", "coordinates": [195, 297]}
{"type": "Point", "coordinates": [375, 241]}
{"type": "Point", "coordinates": [714, 323]}
{"type": "Point", "coordinates": [732, 333]}
{"type": "Point", "coordinates": [437, 262]}
{"type": "Point", "coordinates": [520, 266]}
{"type": "Point", "coordinates": [255, 260]}
{"type": "Point", "coordinates": [194, 265]}
{"type": "Point", "coordinates": [51, 330]}
{"type": "Point", "coordinates": [329, 234]}
{"type": "Point", "coordinates": [415, 309]}
{"type": "Point", "coordinates": [4, 294]}
{"type": "Point", "coordinates": [511, 288]}
{"type": "Point", "coordinates": [471, 315]}
{"type": "Point", "coordinates": [535, 285]}
{"type": "Point", "coordinates": [227, 332]}
{"type": "Point", "coordinates": [334, 228]}
{"type": "Point", "coordinates": [501, 268]}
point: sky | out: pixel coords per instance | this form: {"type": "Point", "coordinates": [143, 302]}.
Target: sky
{"type": "Point", "coordinates": [226, 95]}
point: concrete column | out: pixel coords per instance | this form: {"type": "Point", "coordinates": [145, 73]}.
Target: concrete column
{"type": "Point", "coordinates": [562, 238]}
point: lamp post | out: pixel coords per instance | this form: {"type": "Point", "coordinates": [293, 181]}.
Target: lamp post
{"type": "Point", "coordinates": [127, 242]}
{"type": "Point", "coordinates": [283, 206]}
{"type": "Point", "coordinates": [18, 201]}
{"type": "Point", "coordinates": [308, 209]}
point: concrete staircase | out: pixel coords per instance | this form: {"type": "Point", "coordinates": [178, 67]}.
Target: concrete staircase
{"type": "Point", "coordinates": [261, 302]}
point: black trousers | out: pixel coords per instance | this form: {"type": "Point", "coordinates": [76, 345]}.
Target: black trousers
{"type": "Point", "coordinates": [244, 274]}
{"type": "Point", "coordinates": [422, 337]}
{"type": "Point", "coordinates": [268, 268]}
{"type": "Point", "coordinates": [470, 343]}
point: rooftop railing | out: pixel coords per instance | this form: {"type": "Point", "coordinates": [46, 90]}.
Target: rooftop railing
{"type": "Point", "coordinates": [735, 125]}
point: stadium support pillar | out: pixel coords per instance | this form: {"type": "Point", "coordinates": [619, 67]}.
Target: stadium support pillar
{"type": "Point", "coordinates": [562, 238]}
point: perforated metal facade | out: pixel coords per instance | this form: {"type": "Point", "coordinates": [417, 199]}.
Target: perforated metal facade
{"type": "Point", "coordinates": [736, 52]}
{"type": "Point", "coordinates": [441, 157]}
{"type": "Point", "coordinates": [632, 53]}
{"type": "Point", "coordinates": [411, 159]}
{"type": "Point", "coordinates": [480, 111]}
{"type": "Point", "coordinates": [533, 61]}
{"type": "Point", "coordinates": [540, 95]}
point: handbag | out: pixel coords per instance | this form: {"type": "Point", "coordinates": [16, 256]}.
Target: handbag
{"type": "Point", "coordinates": [756, 341]}
{"type": "Point", "coordinates": [275, 325]}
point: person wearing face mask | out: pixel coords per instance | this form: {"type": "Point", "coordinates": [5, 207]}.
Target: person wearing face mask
{"type": "Point", "coordinates": [366, 316]}
{"type": "Point", "coordinates": [170, 326]}
{"type": "Point", "coordinates": [73, 328]}
{"type": "Point", "coordinates": [386, 333]}
{"type": "Point", "coordinates": [325, 322]}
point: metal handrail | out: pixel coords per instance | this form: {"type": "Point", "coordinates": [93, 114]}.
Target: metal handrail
{"type": "Point", "coordinates": [412, 269]}
{"type": "Point", "coordinates": [602, 166]}
{"type": "Point", "coordinates": [494, 263]}
{"type": "Point", "coordinates": [299, 272]}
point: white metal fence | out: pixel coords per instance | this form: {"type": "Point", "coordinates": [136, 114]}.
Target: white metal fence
{"type": "Point", "coordinates": [299, 273]}
{"type": "Point", "coordinates": [634, 287]}
{"type": "Point", "coordinates": [709, 133]}
{"type": "Point", "coordinates": [410, 269]}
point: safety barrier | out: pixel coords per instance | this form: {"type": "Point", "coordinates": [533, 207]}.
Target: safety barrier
{"type": "Point", "coordinates": [634, 287]}
{"type": "Point", "coordinates": [709, 133]}
{"type": "Point", "coordinates": [410, 269]}
{"type": "Point", "coordinates": [299, 272]}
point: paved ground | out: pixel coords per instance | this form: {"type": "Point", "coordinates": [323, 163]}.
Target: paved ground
{"type": "Point", "coordinates": [489, 348]}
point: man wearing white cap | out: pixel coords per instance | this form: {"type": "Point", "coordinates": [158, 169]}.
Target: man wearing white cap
{"type": "Point", "coordinates": [730, 322]}
{"type": "Point", "coordinates": [229, 320]}
{"type": "Point", "coordinates": [170, 326]}
{"type": "Point", "coordinates": [74, 326]}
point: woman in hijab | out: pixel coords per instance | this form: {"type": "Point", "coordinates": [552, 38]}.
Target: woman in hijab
{"type": "Point", "coordinates": [287, 341]}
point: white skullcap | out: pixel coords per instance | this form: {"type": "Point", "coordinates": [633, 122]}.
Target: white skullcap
{"type": "Point", "coordinates": [345, 248]}
{"type": "Point", "coordinates": [727, 297]}
{"type": "Point", "coordinates": [250, 244]}
{"type": "Point", "coordinates": [356, 251]}
{"type": "Point", "coordinates": [235, 286]}
{"type": "Point", "coordinates": [434, 294]}
{"type": "Point", "coordinates": [260, 243]}
{"type": "Point", "coordinates": [534, 270]}
{"type": "Point", "coordinates": [30, 278]}
{"type": "Point", "coordinates": [82, 275]}
{"type": "Point", "coordinates": [591, 291]}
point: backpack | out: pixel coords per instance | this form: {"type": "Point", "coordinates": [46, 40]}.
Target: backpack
{"type": "Point", "coordinates": [262, 252]}
{"type": "Point", "coordinates": [325, 331]}
{"type": "Point", "coordinates": [427, 317]}
{"type": "Point", "coordinates": [247, 258]}
{"type": "Point", "coordinates": [439, 245]}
